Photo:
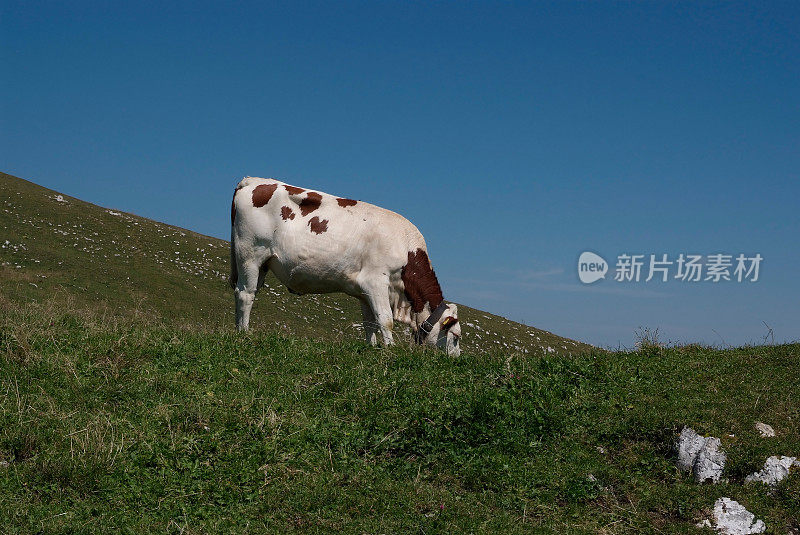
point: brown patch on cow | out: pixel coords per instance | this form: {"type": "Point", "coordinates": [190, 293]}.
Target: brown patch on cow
{"type": "Point", "coordinates": [318, 226]}
{"type": "Point", "coordinates": [262, 194]}
{"type": "Point", "coordinates": [344, 203]}
{"type": "Point", "coordinates": [287, 213]}
{"type": "Point", "coordinates": [293, 190]}
{"type": "Point", "coordinates": [310, 203]}
{"type": "Point", "coordinates": [421, 284]}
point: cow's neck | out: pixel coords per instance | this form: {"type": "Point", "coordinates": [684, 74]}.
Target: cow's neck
{"type": "Point", "coordinates": [420, 285]}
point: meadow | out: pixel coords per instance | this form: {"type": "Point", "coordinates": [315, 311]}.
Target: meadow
{"type": "Point", "coordinates": [128, 404]}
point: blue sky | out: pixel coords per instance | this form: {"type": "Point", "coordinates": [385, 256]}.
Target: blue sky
{"type": "Point", "coordinates": [514, 135]}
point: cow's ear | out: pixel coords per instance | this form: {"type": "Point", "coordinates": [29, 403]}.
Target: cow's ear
{"type": "Point", "coordinates": [448, 322]}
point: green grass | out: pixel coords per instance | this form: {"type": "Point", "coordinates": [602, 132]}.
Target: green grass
{"type": "Point", "coordinates": [138, 427]}
{"type": "Point", "coordinates": [128, 404]}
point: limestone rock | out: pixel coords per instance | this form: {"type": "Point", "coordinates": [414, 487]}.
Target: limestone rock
{"type": "Point", "coordinates": [775, 470]}
{"type": "Point", "coordinates": [689, 445]}
{"type": "Point", "coordinates": [710, 461]}
{"type": "Point", "coordinates": [700, 455]}
{"type": "Point", "coordinates": [731, 518]}
{"type": "Point", "coordinates": [765, 430]}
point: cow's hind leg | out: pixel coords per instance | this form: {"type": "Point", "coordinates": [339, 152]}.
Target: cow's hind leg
{"type": "Point", "coordinates": [245, 292]}
{"type": "Point", "coordinates": [370, 323]}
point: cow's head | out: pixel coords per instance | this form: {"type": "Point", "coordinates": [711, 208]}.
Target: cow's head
{"type": "Point", "coordinates": [445, 332]}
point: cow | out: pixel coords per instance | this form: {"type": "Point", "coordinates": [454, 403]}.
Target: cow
{"type": "Point", "coordinates": [317, 243]}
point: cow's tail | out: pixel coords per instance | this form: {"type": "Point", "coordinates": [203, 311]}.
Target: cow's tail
{"type": "Point", "coordinates": [234, 278]}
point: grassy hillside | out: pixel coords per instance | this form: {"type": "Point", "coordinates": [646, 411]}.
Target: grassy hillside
{"type": "Point", "coordinates": [136, 427]}
{"type": "Point", "coordinates": [122, 410]}
{"type": "Point", "coordinates": [102, 258]}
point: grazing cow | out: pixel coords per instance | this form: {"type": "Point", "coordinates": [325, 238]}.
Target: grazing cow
{"type": "Point", "coordinates": [318, 243]}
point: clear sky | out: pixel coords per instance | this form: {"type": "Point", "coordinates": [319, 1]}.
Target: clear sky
{"type": "Point", "coordinates": [514, 135]}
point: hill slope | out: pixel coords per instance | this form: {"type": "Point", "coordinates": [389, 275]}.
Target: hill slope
{"type": "Point", "coordinates": [123, 409]}
{"type": "Point", "coordinates": [52, 243]}
{"type": "Point", "coordinates": [127, 427]}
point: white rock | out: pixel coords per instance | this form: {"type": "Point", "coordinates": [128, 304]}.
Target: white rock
{"type": "Point", "coordinates": [765, 430]}
{"type": "Point", "coordinates": [710, 461]}
{"type": "Point", "coordinates": [731, 518]}
{"type": "Point", "coordinates": [775, 470]}
{"type": "Point", "coordinates": [689, 445]}
{"type": "Point", "coordinates": [700, 455]}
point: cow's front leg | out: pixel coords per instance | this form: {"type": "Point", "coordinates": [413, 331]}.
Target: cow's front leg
{"type": "Point", "coordinates": [378, 299]}
{"type": "Point", "coordinates": [370, 323]}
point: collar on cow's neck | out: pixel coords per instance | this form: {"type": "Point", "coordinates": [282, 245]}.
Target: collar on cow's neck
{"type": "Point", "coordinates": [426, 326]}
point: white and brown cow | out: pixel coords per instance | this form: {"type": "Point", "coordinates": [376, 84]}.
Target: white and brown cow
{"type": "Point", "coordinates": [318, 243]}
